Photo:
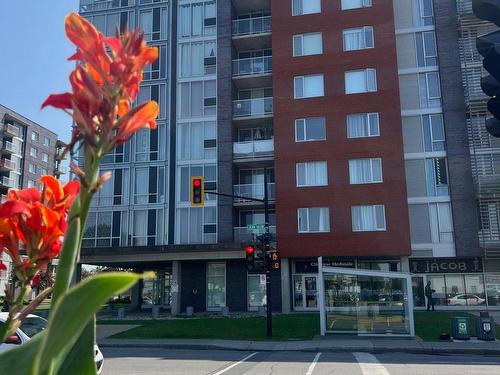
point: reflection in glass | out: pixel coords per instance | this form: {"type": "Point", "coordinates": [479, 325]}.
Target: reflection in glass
{"type": "Point", "coordinates": [493, 289]}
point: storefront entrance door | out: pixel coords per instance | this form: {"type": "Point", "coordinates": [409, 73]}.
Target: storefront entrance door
{"type": "Point", "coordinates": [305, 292]}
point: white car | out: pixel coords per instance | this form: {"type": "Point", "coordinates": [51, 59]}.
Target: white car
{"type": "Point", "coordinates": [466, 300]}
{"type": "Point", "coordinates": [32, 325]}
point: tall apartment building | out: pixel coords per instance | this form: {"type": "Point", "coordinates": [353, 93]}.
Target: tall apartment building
{"type": "Point", "coordinates": [355, 111]}
{"type": "Point", "coordinates": [28, 151]}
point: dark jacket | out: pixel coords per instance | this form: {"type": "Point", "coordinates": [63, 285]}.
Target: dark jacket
{"type": "Point", "coordinates": [428, 291]}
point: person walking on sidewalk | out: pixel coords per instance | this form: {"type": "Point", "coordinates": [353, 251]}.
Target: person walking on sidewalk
{"type": "Point", "coordinates": [428, 294]}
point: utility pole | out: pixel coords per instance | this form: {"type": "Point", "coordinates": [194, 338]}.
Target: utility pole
{"type": "Point", "coordinates": [267, 260]}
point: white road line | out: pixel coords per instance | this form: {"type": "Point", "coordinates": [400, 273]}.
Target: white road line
{"type": "Point", "coordinates": [236, 364]}
{"type": "Point", "coordinates": [370, 365]}
{"type": "Point", "coordinates": [313, 364]}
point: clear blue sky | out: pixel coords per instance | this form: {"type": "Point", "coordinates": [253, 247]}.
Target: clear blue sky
{"type": "Point", "coordinates": [33, 59]}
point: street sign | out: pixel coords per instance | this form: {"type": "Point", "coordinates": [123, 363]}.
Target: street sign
{"type": "Point", "coordinates": [255, 226]}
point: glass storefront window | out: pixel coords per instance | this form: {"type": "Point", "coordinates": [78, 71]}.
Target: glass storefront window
{"type": "Point", "coordinates": [305, 292]}
{"type": "Point", "coordinates": [298, 290]}
{"type": "Point", "coordinates": [458, 290]}
{"type": "Point", "coordinates": [418, 290]}
{"type": "Point", "coordinates": [157, 291]}
{"type": "Point", "coordinates": [256, 293]}
{"type": "Point", "coordinates": [438, 284]}
{"type": "Point", "coordinates": [474, 287]}
{"type": "Point", "coordinates": [493, 289]}
{"type": "Point", "coordinates": [216, 286]}
{"type": "Point", "coordinates": [455, 290]}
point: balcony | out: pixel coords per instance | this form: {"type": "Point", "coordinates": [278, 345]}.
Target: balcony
{"type": "Point", "coordinates": [245, 235]}
{"type": "Point", "coordinates": [252, 33]}
{"type": "Point", "coordinates": [255, 191]}
{"type": "Point", "coordinates": [253, 72]}
{"type": "Point", "coordinates": [258, 108]}
{"type": "Point", "coordinates": [246, 6]}
{"type": "Point", "coordinates": [9, 147]}
{"type": "Point", "coordinates": [11, 130]}
{"type": "Point", "coordinates": [7, 165]}
{"type": "Point", "coordinates": [253, 149]}
{"type": "Point", "coordinates": [6, 182]}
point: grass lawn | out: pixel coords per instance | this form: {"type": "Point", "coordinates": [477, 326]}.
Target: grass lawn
{"type": "Point", "coordinates": [285, 327]}
{"type": "Point", "coordinates": [428, 326]}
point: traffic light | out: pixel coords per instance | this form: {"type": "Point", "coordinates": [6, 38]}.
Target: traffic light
{"type": "Point", "coordinates": [488, 46]}
{"type": "Point", "coordinates": [197, 191]}
{"type": "Point", "coordinates": [250, 257]}
{"type": "Point", "coordinates": [275, 260]}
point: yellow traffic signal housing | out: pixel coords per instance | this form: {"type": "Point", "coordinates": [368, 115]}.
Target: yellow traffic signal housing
{"type": "Point", "coordinates": [197, 191]}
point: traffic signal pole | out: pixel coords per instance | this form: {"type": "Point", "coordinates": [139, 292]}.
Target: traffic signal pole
{"type": "Point", "coordinates": [265, 250]}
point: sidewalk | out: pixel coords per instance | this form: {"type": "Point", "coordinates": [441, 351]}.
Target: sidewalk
{"type": "Point", "coordinates": [323, 344]}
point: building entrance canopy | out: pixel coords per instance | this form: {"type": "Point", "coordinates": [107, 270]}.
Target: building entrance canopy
{"type": "Point", "coordinates": [365, 302]}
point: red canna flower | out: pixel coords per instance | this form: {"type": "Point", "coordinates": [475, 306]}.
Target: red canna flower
{"type": "Point", "coordinates": [37, 221]}
{"type": "Point", "coordinates": [104, 85]}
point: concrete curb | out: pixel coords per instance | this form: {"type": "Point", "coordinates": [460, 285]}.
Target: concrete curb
{"type": "Point", "coordinates": [419, 348]}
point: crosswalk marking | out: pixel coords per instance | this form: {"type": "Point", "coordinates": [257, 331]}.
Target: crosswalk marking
{"type": "Point", "coordinates": [235, 364]}
{"type": "Point", "coordinates": [313, 364]}
{"type": "Point", "coordinates": [369, 364]}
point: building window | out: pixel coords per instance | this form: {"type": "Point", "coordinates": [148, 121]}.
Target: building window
{"type": "Point", "coordinates": [433, 130]}
{"type": "Point", "coordinates": [149, 185]}
{"type": "Point", "coordinates": [196, 140]}
{"type": "Point", "coordinates": [45, 157]}
{"type": "Point", "coordinates": [196, 225]}
{"type": "Point", "coordinates": [309, 86]}
{"type": "Point", "coordinates": [158, 93]}
{"type": "Point", "coordinates": [44, 171]}
{"type": "Point", "coordinates": [429, 89]}
{"type": "Point", "coordinates": [314, 219]}
{"type": "Point", "coordinates": [425, 11]}
{"type": "Point", "coordinates": [307, 44]}
{"type": "Point", "coordinates": [436, 177]}
{"type": "Point", "coordinates": [368, 218]}
{"type": "Point", "coordinates": [209, 171]}
{"type": "Point", "coordinates": [34, 136]}
{"type": "Point", "coordinates": [310, 129]}
{"type": "Point", "coordinates": [198, 98]}
{"type": "Point", "coordinates": [157, 69]}
{"type": "Point", "coordinates": [363, 125]}
{"type": "Point", "coordinates": [426, 48]}
{"type": "Point", "coordinates": [198, 58]}
{"type": "Point", "coordinates": [300, 7]}
{"type": "Point", "coordinates": [216, 285]}
{"type": "Point", "coordinates": [102, 229]}
{"type": "Point", "coordinates": [365, 171]}
{"type": "Point", "coordinates": [33, 152]}
{"type": "Point", "coordinates": [31, 183]}
{"type": "Point", "coordinates": [146, 225]}
{"type": "Point", "coordinates": [313, 173]}
{"type": "Point", "coordinates": [441, 223]}
{"type": "Point", "coordinates": [153, 23]}
{"type": "Point", "coordinates": [197, 19]}
{"type": "Point", "coordinates": [353, 4]}
{"type": "Point", "coordinates": [32, 168]}
{"type": "Point", "coordinates": [46, 141]}
{"type": "Point", "coordinates": [359, 81]}
{"type": "Point", "coordinates": [358, 38]}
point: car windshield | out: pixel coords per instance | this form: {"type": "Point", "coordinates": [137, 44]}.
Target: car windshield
{"type": "Point", "coordinates": [32, 325]}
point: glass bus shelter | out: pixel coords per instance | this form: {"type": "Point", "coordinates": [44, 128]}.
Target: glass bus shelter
{"type": "Point", "coordinates": [365, 302]}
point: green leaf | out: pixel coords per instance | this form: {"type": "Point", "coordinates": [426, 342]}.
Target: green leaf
{"type": "Point", "coordinates": [20, 360]}
{"type": "Point", "coordinates": [75, 309]}
{"type": "Point", "coordinates": [80, 360]}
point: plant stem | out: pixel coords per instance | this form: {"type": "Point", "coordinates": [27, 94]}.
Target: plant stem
{"type": "Point", "coordinates": [10, 324]}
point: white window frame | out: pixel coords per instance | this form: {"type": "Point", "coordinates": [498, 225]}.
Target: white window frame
{"type": "Point", "coordinates": [363, 30]}
{"type": "Point", "coordinates": [46, 141]}
{"type": "Point", "coordinates": [304, 121]}
{"type": "Point", "coordinates": [424, 44]}
{"type": "Point", "coordinates": [367, 117]}
{"type": "Point", "coordinates": [364, 4]}
{"type": "Point", "coordinates": [301, 38]}
{"type": "Point", "coordinates": [429, 97]}
{"type": "Point", "coordinates": [303, 79]}
{"type": "Point", "coordinates": [33, 152]}
{"type": "Point", "coordinates": [45, 157]}
{"type": "Point", "coordinates": [308, 164]}
{"type": "Point", "coordinates": [35, 136]}
{"type": "Point", "coordinates": [371, 181]}
{"type": "Point", "coordinates": [30, 169]}
{"type": "Point", "coordinates": [308, 226]}
{"type": "Point", "coordinates": [374, 208]}
{"type": "Point", "coordinates": [301, 11]}
{"type": "Point", "coordinates": [367, 81]}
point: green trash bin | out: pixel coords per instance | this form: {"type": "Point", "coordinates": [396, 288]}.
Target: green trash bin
{"type": "Point", "coordinates": [460, 328]}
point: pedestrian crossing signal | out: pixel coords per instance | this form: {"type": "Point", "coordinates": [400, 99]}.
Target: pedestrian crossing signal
{"type": "Point", "coordinates": [197, 191]}
{"type": "Point", "coordinates": [275, 260]}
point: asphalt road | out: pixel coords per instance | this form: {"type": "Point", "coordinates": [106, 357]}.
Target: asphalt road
{"type": "Point", "coordinates": [221, 362]}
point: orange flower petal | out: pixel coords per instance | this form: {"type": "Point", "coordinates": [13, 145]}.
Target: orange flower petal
{"type": "Point", "coordinates": [143, 116]}
{"type": "Point", "coordinates": [62, 101]}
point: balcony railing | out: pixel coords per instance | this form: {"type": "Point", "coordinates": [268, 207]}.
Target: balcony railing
{"type": "Point", "coordinates": [5, 181]}
{"type": "Point", "coordinates": [253, 107]}
{"type": "Point", "coordinates": [8, 164]}
{"type": "Point", "coordinates": [11, 130]}
{"type": "Point", "coordinates": [10, 147]}
{"type": "Point", "coordinates": [464, 6]}
{"type": "Point", "coordinates": [253, 65]}
{"type": "Point", "coordinates": [92, 5]}
{"type": "Point", "coordinates": [253, 149]}
{"type": "Point", "coordinates": [255, 191]}
{"type": "Point", "coordinates": [243, 234]}
{"type": "Point", "coordinates": [250, 26]}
